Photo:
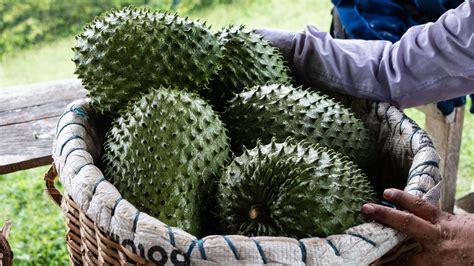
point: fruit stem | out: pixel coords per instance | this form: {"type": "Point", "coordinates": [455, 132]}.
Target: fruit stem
{"type": "Point", "coordinates": [258, 212]}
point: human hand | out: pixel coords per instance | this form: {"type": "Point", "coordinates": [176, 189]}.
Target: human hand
{"type": "Point", "coordinates": [446, 239]}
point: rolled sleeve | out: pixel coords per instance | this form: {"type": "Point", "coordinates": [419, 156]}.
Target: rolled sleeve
{"type": "Point", "coordinates": [430, 63]}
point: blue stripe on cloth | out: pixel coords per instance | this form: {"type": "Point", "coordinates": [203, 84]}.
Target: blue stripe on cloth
{"type": "Point", "coordinates": [363, 238]}
{"type": "Point", "coordinates": [260, 251]}
{"type": "Point", "coordinates": [115, 205]}
{"type": "Point", "coordinates": [79, 112]}
{"type": "Point", "coordinates": [70, 124]}
{"type": "Point", "coordinates": [420, 174]}
{"type": "Point", "coordinates": [69, 139]}
{"type": "Point", "coordinates": [190, 249]}
{"type": "Point", "coordinates": [80, 168]}
{"type": "Point", "coordinates": [336, 251]}
{"type": "Point", "coordinates": [171, 236]}
{"type": "Point", "coordinates": [303, 251]}
{"type": "Point", "coordinates": [201, 249]}
{"type": "Point", "coordinates": [232, 247]}
{"type": "Point", "coordinates": [427, 163]}
{"type": "Point", "coordinates": [401, 124]}
{"type": "Point", "coordinates": [135, 221]}
{"type": "Point", "coordinates": [97, 184]}
{"type": "Point", "coordinates": [411, 139]}
{"type": "Point", "coordinates": [71, 151]}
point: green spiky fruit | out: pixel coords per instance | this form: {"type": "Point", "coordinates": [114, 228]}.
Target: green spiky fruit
{"type": "Point", "coordinates": [280, 111]}
{"type": "Point", "coordinates": [248, 60]}
{"type": "Point", "coordinates": [162, 153]}
{"type": "Point", "coordinates": [122, 53]}
{"type": "Point", "coordinates": [295, 190]}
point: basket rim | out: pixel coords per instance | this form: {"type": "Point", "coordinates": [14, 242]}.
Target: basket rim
{"type": "Point", "coordinates": [72, 113]}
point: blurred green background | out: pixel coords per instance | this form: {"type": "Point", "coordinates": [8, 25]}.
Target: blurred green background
{"type": "Point", "coordinates": [35, 46]}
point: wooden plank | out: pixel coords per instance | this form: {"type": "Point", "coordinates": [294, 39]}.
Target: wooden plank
{"type": "Point", "coordinates": [17, 97]}
{"type": "Point", "coordinates": [33, 113]}
{"type": "Point", "coordinates": [446, 133]}
{"type": "Point", "coordinates": [26, 145]}
{"type": "Point", "coordinates": [28, 117]}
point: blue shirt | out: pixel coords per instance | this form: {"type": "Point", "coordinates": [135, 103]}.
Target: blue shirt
{"type": "Point", "coordinates": [388, 19]}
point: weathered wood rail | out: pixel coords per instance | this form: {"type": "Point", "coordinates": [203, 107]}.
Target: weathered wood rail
{"type": "Point", "coordinates": [28, 117]}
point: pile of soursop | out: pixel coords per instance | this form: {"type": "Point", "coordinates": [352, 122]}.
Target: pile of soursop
{"type": "Point", "coordinates": [210, 135]}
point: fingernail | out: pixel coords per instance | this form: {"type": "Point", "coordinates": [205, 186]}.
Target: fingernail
{"type": "Point", "coordinates": [367, 209]}
{"type": "Point", "coordinates": [388, 193]}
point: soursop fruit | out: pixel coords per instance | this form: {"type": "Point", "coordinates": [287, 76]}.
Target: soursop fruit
{"type": "Point", "coordinates": [122, 53]}
{"type": "Point", "coordinates": [162, 154]}
{"type": "Point", "coordinates": [291, 189]}
{"type": "Point", "coordinates": [247, 60]}
{"type": "Point", "coordinates": [281, 111]}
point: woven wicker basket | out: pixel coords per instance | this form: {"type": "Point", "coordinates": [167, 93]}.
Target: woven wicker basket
{"type": "Point", "coordinates": [86, 243]}
{"type": "Point", "coordinates": [6, 253]}
{"type": "Point", "coordinates": [103, 228]}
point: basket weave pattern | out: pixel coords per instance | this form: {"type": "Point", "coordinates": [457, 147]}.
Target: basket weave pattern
{"type": "Point", "coordinates": [105, 228]}
{"type": "Point", "coordinates": [86, 243]}
{"type": "Point", "coordinates": [6, 253]}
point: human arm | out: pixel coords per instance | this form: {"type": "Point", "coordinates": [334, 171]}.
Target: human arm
{"type": "Point", "coordinates": [446, 239]}
{"type": "Point", "coordinates": [431, 62]}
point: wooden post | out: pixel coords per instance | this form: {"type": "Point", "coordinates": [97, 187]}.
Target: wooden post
{"type": "Point", "coordinates": [446, 132]}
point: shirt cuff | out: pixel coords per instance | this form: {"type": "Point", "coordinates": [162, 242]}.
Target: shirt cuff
{"type": "Point", "coordinates": [280, 39]}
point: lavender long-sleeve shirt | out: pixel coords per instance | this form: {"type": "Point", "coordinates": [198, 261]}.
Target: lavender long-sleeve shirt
{"type": "Point", "coordinates": [431, 62]}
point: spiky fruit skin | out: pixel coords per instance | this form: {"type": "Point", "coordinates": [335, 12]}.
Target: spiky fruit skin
{"type": "Point", "coordinates": [295, 190]}
{"type": "Point", "coordinates": [247, 60]}
{"type": "Point", "coordinates": [280, 111]}
{"type": "Point", "coordinates": [122, 53]}
{"type": "Point", "coordinates": [162, 153]}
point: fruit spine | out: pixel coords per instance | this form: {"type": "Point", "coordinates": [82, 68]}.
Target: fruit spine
{"type": "Point", "coordinates": [162, 153]}
{"type": "Point", "coordinates": [280, 111]}
{"type": "Point", "coordinates": [247, 60]}
{"type": "Point", "coordinates": [122, 53]}
{"type": "Point", "coordinates": [295, 190]}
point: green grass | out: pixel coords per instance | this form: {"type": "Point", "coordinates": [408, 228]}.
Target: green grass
{"type": "Point", "coordinates": [465, 182]}
{"type": "Point", "coordinates": [38, 232]}
{"type": "Point", "coordinates": [280, 14]}
{"type": "Point", "coordinates": [46, 62]}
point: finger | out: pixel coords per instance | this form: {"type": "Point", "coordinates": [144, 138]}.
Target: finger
{"type": "Point", "coordinates": [415, 227]}
{"type": "Point", "coordinates": [411, 203]}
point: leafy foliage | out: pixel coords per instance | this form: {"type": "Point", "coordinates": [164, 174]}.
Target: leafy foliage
{"type": "Point", "coordinates": [27, 22]}
{"type": "Point", "coordinates": [30, 21]}
{"type": "Point", "coordinates": [185, 6]}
